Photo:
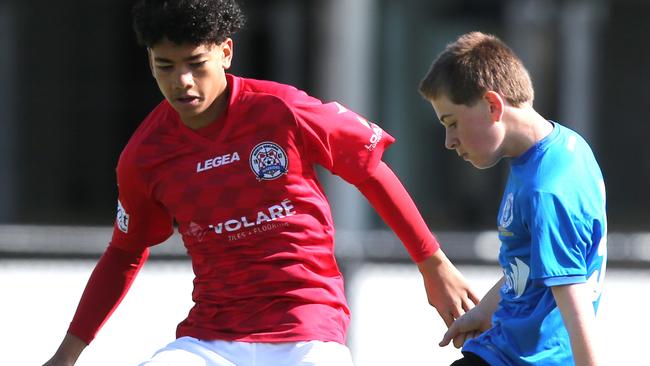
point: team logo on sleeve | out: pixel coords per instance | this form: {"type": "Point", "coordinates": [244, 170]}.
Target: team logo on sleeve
{"type": "Point", "coordinates": [122, 218]}
{"type": "Point", "coordinates": [268, 161]}
{"type": "Point", "coordinates": [517, 277]}
{"type": "Point", "coordinates": [377, 133]}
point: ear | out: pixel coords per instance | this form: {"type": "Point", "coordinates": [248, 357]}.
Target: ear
{"type": "Point", "coordinates": [150, 59]}
{"type": "Point", "coordinates": [496, 104]}
{"type": "Point", "coordinates": [227, 53]}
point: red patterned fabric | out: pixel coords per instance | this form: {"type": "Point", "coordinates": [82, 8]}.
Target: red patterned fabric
{"type": "Point", "coordinates": [253, 217]}
{"type": "Point", "coordinates": [107, 286]}
{"type": "Point", "coordinates": [393, 203]}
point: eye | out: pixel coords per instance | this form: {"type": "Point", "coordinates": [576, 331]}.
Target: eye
{"type": "Point", "coordinates": [196, 65]}
{"type": "Point", "coordinates": [164, 67]}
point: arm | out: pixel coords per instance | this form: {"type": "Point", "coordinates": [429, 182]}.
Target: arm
{"type": "Point", "coordinates": [579, 318]}
{"type": "Point", "coordinates": [107, 286]}
{"type": "Point", "coordinates": [68, 352]}
{"type": "Point", "coordinates": [475, 321]}
{"type": "Point", "coordinates": [446, 288]}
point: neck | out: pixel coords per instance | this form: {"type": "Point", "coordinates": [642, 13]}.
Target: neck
{"type": "Point", "coordinates": [212, 113]}
{"type": "Point", "coordinates": [529, 128]}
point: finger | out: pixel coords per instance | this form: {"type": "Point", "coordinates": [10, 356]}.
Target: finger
{"type": "Point", "coordinates": [445, 340]}
{"type": "Point", "coordinates": [457, 343]}
{"type": "Point", "coordinates": [470, 335]}
{"type": "Point", "coordinates": [472, 296]}
{"type": "Point", "coordinates": [447, 318]}
{"type": "Point", "coordinates": [459, 340]}
{"type": "Point", "coordinates": [468, 304]}
{"type": "Point", "coordinates": [448, 336]}
{"type": "Point", "coordinates": [457, 311]}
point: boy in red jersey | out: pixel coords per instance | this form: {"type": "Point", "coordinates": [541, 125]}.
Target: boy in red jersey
{"type": "Point", "coordinates": [231, 160]}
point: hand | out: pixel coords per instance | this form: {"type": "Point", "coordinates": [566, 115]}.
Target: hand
{"type": "Point", "coordinates": [468, 326]}
{"type": "Point", "coordinates": [446, 288]}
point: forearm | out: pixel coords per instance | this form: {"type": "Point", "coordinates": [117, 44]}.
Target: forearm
{"type": "Point", "coordinates": [68, 352]}
{"type": "Point", "coordinates": [394, 205]}
{"type": "Point", "coordinates": [580, 320]}
{"type": "Point", "coordinates": [107, 286]}
{"type": "Point", "coordinates": [109, 282]}
{"type": "Point", "coordinates": [490, 301]}
{"type": "Point", "coordinates": [446, 288]}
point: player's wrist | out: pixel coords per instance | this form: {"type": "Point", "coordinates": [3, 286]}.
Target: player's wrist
{"type": "Point", "coordinates": [60, 360]}
{"type": "Point", "coordinates": [70, 349]}
{"type": "Point", "coordinates": [433, 262]}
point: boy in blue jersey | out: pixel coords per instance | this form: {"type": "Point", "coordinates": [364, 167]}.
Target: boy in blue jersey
{"type": "Point", "coordinates": [552, 223]}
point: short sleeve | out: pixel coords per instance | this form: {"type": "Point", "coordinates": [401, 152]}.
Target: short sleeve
{"type": "Point", "coordinates": [141, 221]}
{"type": "Point", "coordinates": [558, 242]}
{"type": "Point", "coordinates": [340, 140]}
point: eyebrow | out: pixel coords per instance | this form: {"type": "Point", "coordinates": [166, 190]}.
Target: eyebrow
{"type": "Point", "coordinates": [190, 58]}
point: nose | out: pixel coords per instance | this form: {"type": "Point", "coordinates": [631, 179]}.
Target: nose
{"type": "Point", "coordinates": [184, 79]}
{"type": "Point", "coordinates": [451, 142]}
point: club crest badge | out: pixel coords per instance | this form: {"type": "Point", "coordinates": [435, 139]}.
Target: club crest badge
{"type": "Point", "coordinates": [506, 215]}
{"type": "Point", "coordinates": [268, 161]}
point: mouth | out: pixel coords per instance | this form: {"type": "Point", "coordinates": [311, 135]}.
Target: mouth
{"type": "Point", "coordinates": [188, 99]}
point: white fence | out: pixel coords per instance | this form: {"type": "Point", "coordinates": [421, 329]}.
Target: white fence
{"type": "Point", "coordinates": [392, 323]}
{"type": "Point", "coordinates": [378, 245]}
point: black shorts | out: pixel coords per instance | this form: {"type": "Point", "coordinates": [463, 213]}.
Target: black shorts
{"type": "Point", "coordinates": [470, 359]}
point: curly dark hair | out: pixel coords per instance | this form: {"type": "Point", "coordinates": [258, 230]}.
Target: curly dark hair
{"type": "Point", "coordinates": [186, 21]}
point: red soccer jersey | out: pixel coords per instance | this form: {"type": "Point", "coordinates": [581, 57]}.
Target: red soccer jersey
{"type": "Point", "coordinates": [250, 209]}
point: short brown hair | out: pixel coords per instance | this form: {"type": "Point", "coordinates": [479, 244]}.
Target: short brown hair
{"type": "Point", "coordinates": [474, 64]}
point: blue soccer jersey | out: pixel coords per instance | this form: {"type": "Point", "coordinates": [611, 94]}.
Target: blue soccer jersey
{"type": "Point", "coordinates": [552, 227]}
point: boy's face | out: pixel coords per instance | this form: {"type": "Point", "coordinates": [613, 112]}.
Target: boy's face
{"type": "Point", "coordinates": [475, 132]}
{"type": "Point", "coordinates": [192, 78]}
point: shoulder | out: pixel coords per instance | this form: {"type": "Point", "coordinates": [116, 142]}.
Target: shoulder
{"type": "Point", "coordinates": [569, 147]}
{"type": "Point", "coordinates": [271, 92]}
{"type": "Point", "coordinates": [565, 173]}
{"type": "Point", "coordinates": [155, 122]}
{"type": "Point", "coordinates": [575, 157]}
{"type": "Point", "coordinates": [565, 163]}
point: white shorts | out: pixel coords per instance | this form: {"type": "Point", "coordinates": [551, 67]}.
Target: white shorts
{"type": "Point", "coordinates": [188, 351]}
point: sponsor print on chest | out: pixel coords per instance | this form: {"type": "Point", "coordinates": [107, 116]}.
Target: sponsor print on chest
{"type": "Point", "coordinates": [249, 225]}
{"type": "Point", "coordinates": [217, 161]}
{"type": "Point", "coordinates": [267, 161]}
{"type": "Point", "coordinates": [249, 167]}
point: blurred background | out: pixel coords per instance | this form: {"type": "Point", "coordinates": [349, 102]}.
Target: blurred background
{"type": "Point", "coordinates": [75, 85]}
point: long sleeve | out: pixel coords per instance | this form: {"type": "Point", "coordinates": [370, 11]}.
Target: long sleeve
{"type": "Point", "coordinates": [107, 286]}
{"type": "Point", "coordinates": [393, 203]}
